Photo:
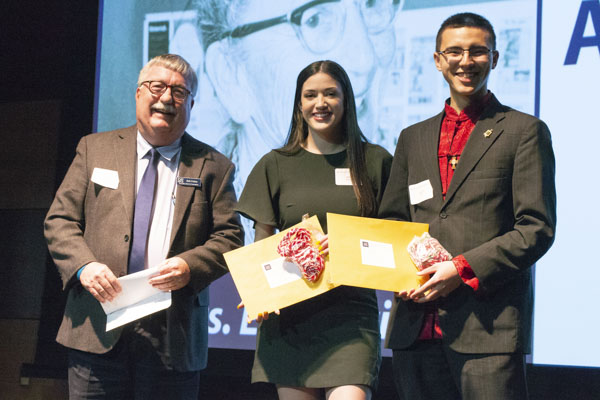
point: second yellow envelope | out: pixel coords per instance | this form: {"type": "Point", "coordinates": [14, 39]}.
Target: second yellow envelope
{"type": "Point", "coordinates": [371, 253]}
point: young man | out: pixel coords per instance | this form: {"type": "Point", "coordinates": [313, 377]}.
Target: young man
{"type": "Point", "coordinates": [482, 176]}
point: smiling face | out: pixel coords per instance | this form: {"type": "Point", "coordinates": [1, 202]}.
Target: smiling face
{"type": "Point", "coordinates": [466, 77]}
{"type": "Point", "coordinates": [161, 119]}
{"type": "Point", "coordinates": [322, 106]}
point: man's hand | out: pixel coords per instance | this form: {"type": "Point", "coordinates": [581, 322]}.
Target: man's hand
{"type": "Point", "coordinates": [100, 281]}
{"type": "Point", "coordinates": [173, 274]}
{"type": "Point", "coordinates": [445, 279]}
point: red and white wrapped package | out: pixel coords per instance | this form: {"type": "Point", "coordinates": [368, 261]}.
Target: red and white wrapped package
{"type": "Point", "coordinates": [297, 245]}
{"type": "Point", "coordinates": [426, 251]}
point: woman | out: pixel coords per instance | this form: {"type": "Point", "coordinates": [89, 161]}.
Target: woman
{"type": "Point", "coordinates": [329, 344]}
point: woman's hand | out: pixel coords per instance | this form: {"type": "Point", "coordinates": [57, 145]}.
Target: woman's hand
{"type": "Point", "coordinates": [323, 243]}
{"type": "Point", "coordinates": [260, 317]}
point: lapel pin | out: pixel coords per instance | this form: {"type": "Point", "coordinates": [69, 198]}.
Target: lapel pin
{"type": "Point", "coordinates": [488, 133]}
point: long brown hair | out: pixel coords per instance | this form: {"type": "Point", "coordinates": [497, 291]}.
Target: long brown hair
{"type": "Point", "coordinates": [354, 139]}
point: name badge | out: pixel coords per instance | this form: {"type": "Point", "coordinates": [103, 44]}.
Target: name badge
{"type": "Point", "coordinates": [342, 177]}
{"type": "Point", "coordinates": [105, 177]}
{"type": "Point", "coordinates": [194, 182]}
{"type": "Point", "coordinates": [420, 192]}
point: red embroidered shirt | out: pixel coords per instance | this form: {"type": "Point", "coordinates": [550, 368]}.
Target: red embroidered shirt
{"type": "Point", "coordinates": [456, 129]}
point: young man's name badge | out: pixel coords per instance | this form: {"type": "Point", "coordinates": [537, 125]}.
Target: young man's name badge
{"type": "Point", "coordinates": [194, 182]}
{"type": "Point", "coordinates": [420, 192]}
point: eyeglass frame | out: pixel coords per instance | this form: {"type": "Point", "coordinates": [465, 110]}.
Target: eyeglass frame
{"type": "Point", "coordinates": [187, 92]}
{"type": "Point", "coordinates": [462, 54]}
{"type": "Point", "coordinates": [293, 17]}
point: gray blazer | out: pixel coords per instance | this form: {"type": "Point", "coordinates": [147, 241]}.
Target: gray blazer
{"type": "Point", "coordinates": [499, 213]}
{"type": "Point", "coordinates": [88, 222]}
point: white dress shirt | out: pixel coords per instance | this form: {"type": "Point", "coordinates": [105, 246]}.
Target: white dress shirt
{"type": "Point", "coordinates": [164, 197]}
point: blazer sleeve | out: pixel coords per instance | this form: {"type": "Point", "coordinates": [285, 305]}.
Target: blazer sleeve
{"type": "Point", "coordinates": [206, 260]}
{"type": "Point", "coordinates": [65, 222]}
{"type": "Point", "coordinates": [395, 203]}
{"type": "Point", "coordinates": [501, 259]}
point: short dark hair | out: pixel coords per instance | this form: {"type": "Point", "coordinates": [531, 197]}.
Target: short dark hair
{"type": "Point", "coordinates": [466, 19]}
{"type": "Point", "coordinates": [354, 138]}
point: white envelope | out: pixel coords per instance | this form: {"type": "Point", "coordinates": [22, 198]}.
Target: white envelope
{"type": "Point", "coordinates": [137, 299]}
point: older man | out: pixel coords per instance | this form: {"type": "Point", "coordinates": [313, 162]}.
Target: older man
{"type": "Point", "coordinates": [144, 196]}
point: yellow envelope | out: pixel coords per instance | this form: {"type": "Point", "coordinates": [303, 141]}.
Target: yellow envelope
{"type": "Point", "coordinates": [371, 253]}
{"type": "Point", "coordinates": [265, 281]}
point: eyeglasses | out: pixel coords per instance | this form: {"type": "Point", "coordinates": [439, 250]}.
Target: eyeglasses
{"type": "Point", "coordinates": [157, 88]}
{"type": "Point", "coordinates": [455, 54]}
{"type": "Point", "coordinates": [320, 23]}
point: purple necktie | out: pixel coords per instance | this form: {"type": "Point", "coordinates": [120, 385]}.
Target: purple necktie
{"type": "Point", "coordinates": [143, 214]}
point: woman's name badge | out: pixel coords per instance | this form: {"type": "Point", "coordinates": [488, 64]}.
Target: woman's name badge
{"type": "Point", "coordinates": [342, 177]}
{"type": "Point", "coordinates": [194, 182]}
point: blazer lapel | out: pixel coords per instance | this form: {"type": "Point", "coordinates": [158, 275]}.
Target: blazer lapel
{"type": "Point", "coordinates": [191, 163]}
{"type": "Point", "coordinates": [484, 134]}
{"type": "Point", "coordinates": [126, 155]}
{"type": "Point", "coordinates": [429, 146]}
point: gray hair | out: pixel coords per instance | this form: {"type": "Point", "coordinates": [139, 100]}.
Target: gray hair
{"type": "Point", "coordinates": [174, 63]}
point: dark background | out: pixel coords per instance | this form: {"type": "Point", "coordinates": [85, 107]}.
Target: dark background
{"type": "Point", "coordinates": [47, 65]}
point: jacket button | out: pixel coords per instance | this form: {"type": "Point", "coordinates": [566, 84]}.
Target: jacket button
{"type": "Point", "coordinates": [126, 238]}
{"type": "Point", "coordinates": [443, 215]}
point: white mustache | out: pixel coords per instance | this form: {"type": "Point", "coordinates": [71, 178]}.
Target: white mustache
{"type": "Point", "coordinates": [163, 108]}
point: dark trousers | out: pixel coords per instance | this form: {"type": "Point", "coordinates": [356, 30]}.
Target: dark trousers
{"type": "Point", "coordinates": [431, 370]}
{"type": "Point", "coordinates": [131, 370]}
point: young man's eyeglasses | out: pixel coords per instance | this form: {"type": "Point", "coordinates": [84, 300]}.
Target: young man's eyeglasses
{"type": "Point", "coordinates": [157, 88]}
{"type": "Point", "coordinates": [453, 54]}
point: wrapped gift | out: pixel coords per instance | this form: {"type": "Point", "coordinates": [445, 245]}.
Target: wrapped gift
{"type": "Point", "coordinates": [299, 247]}
{"type": "Point", "coordinates": [426, 251]}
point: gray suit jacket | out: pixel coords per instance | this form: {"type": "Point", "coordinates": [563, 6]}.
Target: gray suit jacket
{"type": "Point", "coordinates": [89, 222]}
{"type": "Point", "coordinates": [499, 213]}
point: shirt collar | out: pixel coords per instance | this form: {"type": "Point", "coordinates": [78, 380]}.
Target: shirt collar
{"type": "Point", "coordinates": [168, 152]}
{"type": "Point", "coordinates": [473, 111]}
